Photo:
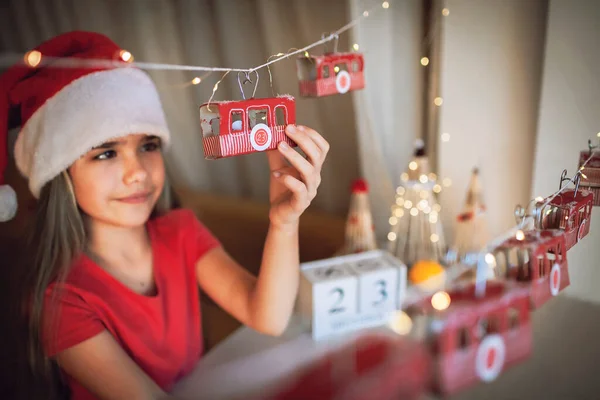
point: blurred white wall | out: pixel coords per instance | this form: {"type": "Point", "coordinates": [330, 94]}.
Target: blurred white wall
{"type": "Point", "coordinates": [569, 116]}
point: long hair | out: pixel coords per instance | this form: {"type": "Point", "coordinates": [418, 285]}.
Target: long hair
{"type": "Point", "coordinates": [57, 238]}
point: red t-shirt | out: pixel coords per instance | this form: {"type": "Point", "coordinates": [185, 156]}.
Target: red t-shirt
{"type": "Point", "coordinates": [161, 333]}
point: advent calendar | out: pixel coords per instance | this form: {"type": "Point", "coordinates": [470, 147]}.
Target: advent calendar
{"type": "Point", "coordinates": [350, 292]}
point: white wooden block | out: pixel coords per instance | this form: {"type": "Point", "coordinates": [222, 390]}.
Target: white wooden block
{"type": "Point", "coordinates": [337, 294]}
{"type": "Point", "coordinates": [334, 296]}
{"type": "Point", "coordinates": [377, 285]}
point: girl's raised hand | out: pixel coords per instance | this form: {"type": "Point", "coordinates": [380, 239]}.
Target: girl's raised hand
{"type": "Point", "coordinates": [294, 186]}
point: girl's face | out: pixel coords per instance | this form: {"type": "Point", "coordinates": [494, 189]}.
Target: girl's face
{"type": "Point", "coordinates": [119, 182]}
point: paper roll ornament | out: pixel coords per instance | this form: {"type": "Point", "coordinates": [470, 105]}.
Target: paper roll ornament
{"type": "Point", "coordinates": [415, 227]}
{"type": "Point", "coordinates": [360, 235]}
{"type": "Point", "coordinates": [472, 232]}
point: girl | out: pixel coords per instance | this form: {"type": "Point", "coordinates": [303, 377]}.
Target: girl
{"type": "Point", "coordinates": [113, 294]}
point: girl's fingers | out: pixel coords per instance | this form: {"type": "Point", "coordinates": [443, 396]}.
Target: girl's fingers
{"type": "Point", "coordinates": [300, 200]}
{"type": "Point", "coordinates": [307, 144]}
{"type": "Point", "coordinates": [306, 169]}
{"type": "Point", "coordinates": [317, 138]}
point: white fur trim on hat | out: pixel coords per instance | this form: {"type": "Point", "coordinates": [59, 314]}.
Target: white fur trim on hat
{"type": "Point", "coordinates": [87, 112]}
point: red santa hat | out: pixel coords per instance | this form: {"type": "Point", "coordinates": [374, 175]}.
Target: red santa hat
{"type": "Point", "coordinates": [69, 95]}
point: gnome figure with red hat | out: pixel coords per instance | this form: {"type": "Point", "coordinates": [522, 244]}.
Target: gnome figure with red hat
{"type": "Point", "coordinates": [360, 235]}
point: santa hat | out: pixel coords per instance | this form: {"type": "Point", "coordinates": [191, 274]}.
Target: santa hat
{"type": "Point", "coordinates": [69, 95]}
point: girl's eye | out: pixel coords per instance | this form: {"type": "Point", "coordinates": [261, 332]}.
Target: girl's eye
{"type": "Point", "coordinates": [151, 146]}
{"type": "Point", "coordinates": [106, 155]}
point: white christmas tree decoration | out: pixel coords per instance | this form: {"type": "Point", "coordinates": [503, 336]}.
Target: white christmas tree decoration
{"type": "Point", "coordinates": [360, 235]}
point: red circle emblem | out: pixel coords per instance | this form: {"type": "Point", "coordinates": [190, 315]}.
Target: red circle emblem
{"type": "Point", "coordinates": [343, 81]}
{"type": "Point", "coordinates": [555, 278]}
{"type": "Point", "coordinates": [491, 358]}
{"type": "Point", "coordinates": [261, 137]}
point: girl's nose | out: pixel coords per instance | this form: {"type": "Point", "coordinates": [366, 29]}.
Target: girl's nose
{"type": "Point", "coordinates": [135, 170]}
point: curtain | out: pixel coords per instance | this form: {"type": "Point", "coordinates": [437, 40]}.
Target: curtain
{"type": "Point", "coordinates": [224, 33]}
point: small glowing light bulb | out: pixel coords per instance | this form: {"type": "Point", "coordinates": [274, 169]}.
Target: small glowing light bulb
{"type": "Point", "coordinates": [598, 134]}
{"type": "Point", "coordinates": [433, 218]}
{"type": "Point", "coordinates": [400, 201]}
{"type": "Point", "coordinates": [404, 176]}
{"type": "Point", "coordinates": [440, 301]}
{"type": "Point", "coordinates": [391, 236]}
{"type": "Point", "coordinates": [280, 54]}
{"type": "Point", "coordinates": [196, 81]}
{"type": "Point", "coordinates": [400, 190]}
{"type": "Point", "coordinates": [445, 137]}
{"type": "Point", "coordinates": [437, 208]}
{"type": "Point", "coordinates": [423, 178]}
{"type": "Point", "coordinates": [438, 101]}
{"type": "Point", "coordinates": [336, 69]}
{"type": "Point", "coordinates": [355, 46]}
{"type": "Point", "coordinates": [434, 238]}
{"type": "Point", "coordinates": [437, 188]}
{"type": "Point", "coordinates": [400, 323]}
{"type": "Point", "coordinates": [125, 55]}
{"type": "Point", "coordinates": [393, 220]}
{"type": "Point", "coordinates": [520, 235]}
{"type": "Point", "coordinates": [424, 61]}
{"type": "Point", "coordinates": [399, 213]}
{"type": "Point", "coordinates": [447, 182]}
{"type": "Point", "coordinates": [584, 175]}
{"type": "Point", "coordinates": [539, 199]}
{"type": "Point", "coordinates": [306, 54]}
{"type": "Point", "coordinates": [445, 12]}
{"type": "Point", "coordinates": [414, 212]}
{"type": "Point", "coordinates": [408, 204]}
{"type": "Point", "coordinates": [489, 258]}
{"type": "Point", "coordinates": [33, 58]}
{"type": "Point", "coordinates": [365, 14]}
{"type": "Point", "coordinates": [412, 166]}
{"type": "Point", "coordinates": [385, 5]}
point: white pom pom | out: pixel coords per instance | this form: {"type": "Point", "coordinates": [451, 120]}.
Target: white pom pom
{"type": "Point", "coordinates": [8, 203]}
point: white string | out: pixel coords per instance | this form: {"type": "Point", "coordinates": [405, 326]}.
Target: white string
{"type": "Point", "coordinates": [7, 60]}
{"type": "Point", "coordinates": [572, 180]}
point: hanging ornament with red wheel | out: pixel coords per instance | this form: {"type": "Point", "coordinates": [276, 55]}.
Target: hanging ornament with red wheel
{"type": "Point", "coordinates": [330, 73]}
{"type": "Point", "coordinates": [232, 128]}
{"type": "Point", "coordinates": [590, 172]}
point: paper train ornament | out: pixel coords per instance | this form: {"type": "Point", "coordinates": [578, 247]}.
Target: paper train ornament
{"type": "Point", "coordinates": [232, 128]}
{"type": "Point", "coordinates": [360, 235]}
{"type": "Point", "coordinates": [328, 74]}
{"type": "Point", "coordinates": [590, 174]}
{"type": "Point", "coordinates": [538, 259]}
{"type": "Point", "coordinates": [373, 366]}
{"type": "Point", "coordinates": [472, 339]}
{"type": "Point", "coordinates": [570, 211]}
{"type": "Point", "coordinates": [350, 292]}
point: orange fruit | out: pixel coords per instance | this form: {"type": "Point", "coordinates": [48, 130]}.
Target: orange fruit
{"type": "Point", "coordinates": [424, 270]}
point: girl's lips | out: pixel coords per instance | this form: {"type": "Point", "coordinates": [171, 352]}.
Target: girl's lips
{"type": "Point", "coordinates": [136, 198]}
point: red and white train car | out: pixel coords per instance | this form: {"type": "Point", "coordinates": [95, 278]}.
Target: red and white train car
{"type": "Point", "coordinates": [473, 339]}
{"type": "Point", "coordinates": [333, 73]}
{"type": "Point", "coordinates": [570, 212]}
{"type": "Point", "coordinates": [538, 258]}
{"type": "Point", "coordinates": [374, 366]}
{"type": "Point", "coordinates": [231, 128]}
{"type": "Point", "coordinates": [590, 178]}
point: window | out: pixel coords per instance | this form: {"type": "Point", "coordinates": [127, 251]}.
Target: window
{"type": "Point", "coordinates": [355, 66]}
{"type": "Point", "coordinates": [325, 71]}
{"type": "Point", "coordinates": [257, 116]}
{"type": "Point", "coordinates": [487, 326]}
{"type": "Point", "coordinates": [237, 121]}
{"type": "Point", "coordinates": [340, 67]}
{"type": "Point", "coordinates": [214, 125]}
{"type": "Point", "coordinates": [280, 116]}
{"type": "Point", "coordinates": [513, 318]}
{"type": "Point", "coordinates": [463, 339]}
